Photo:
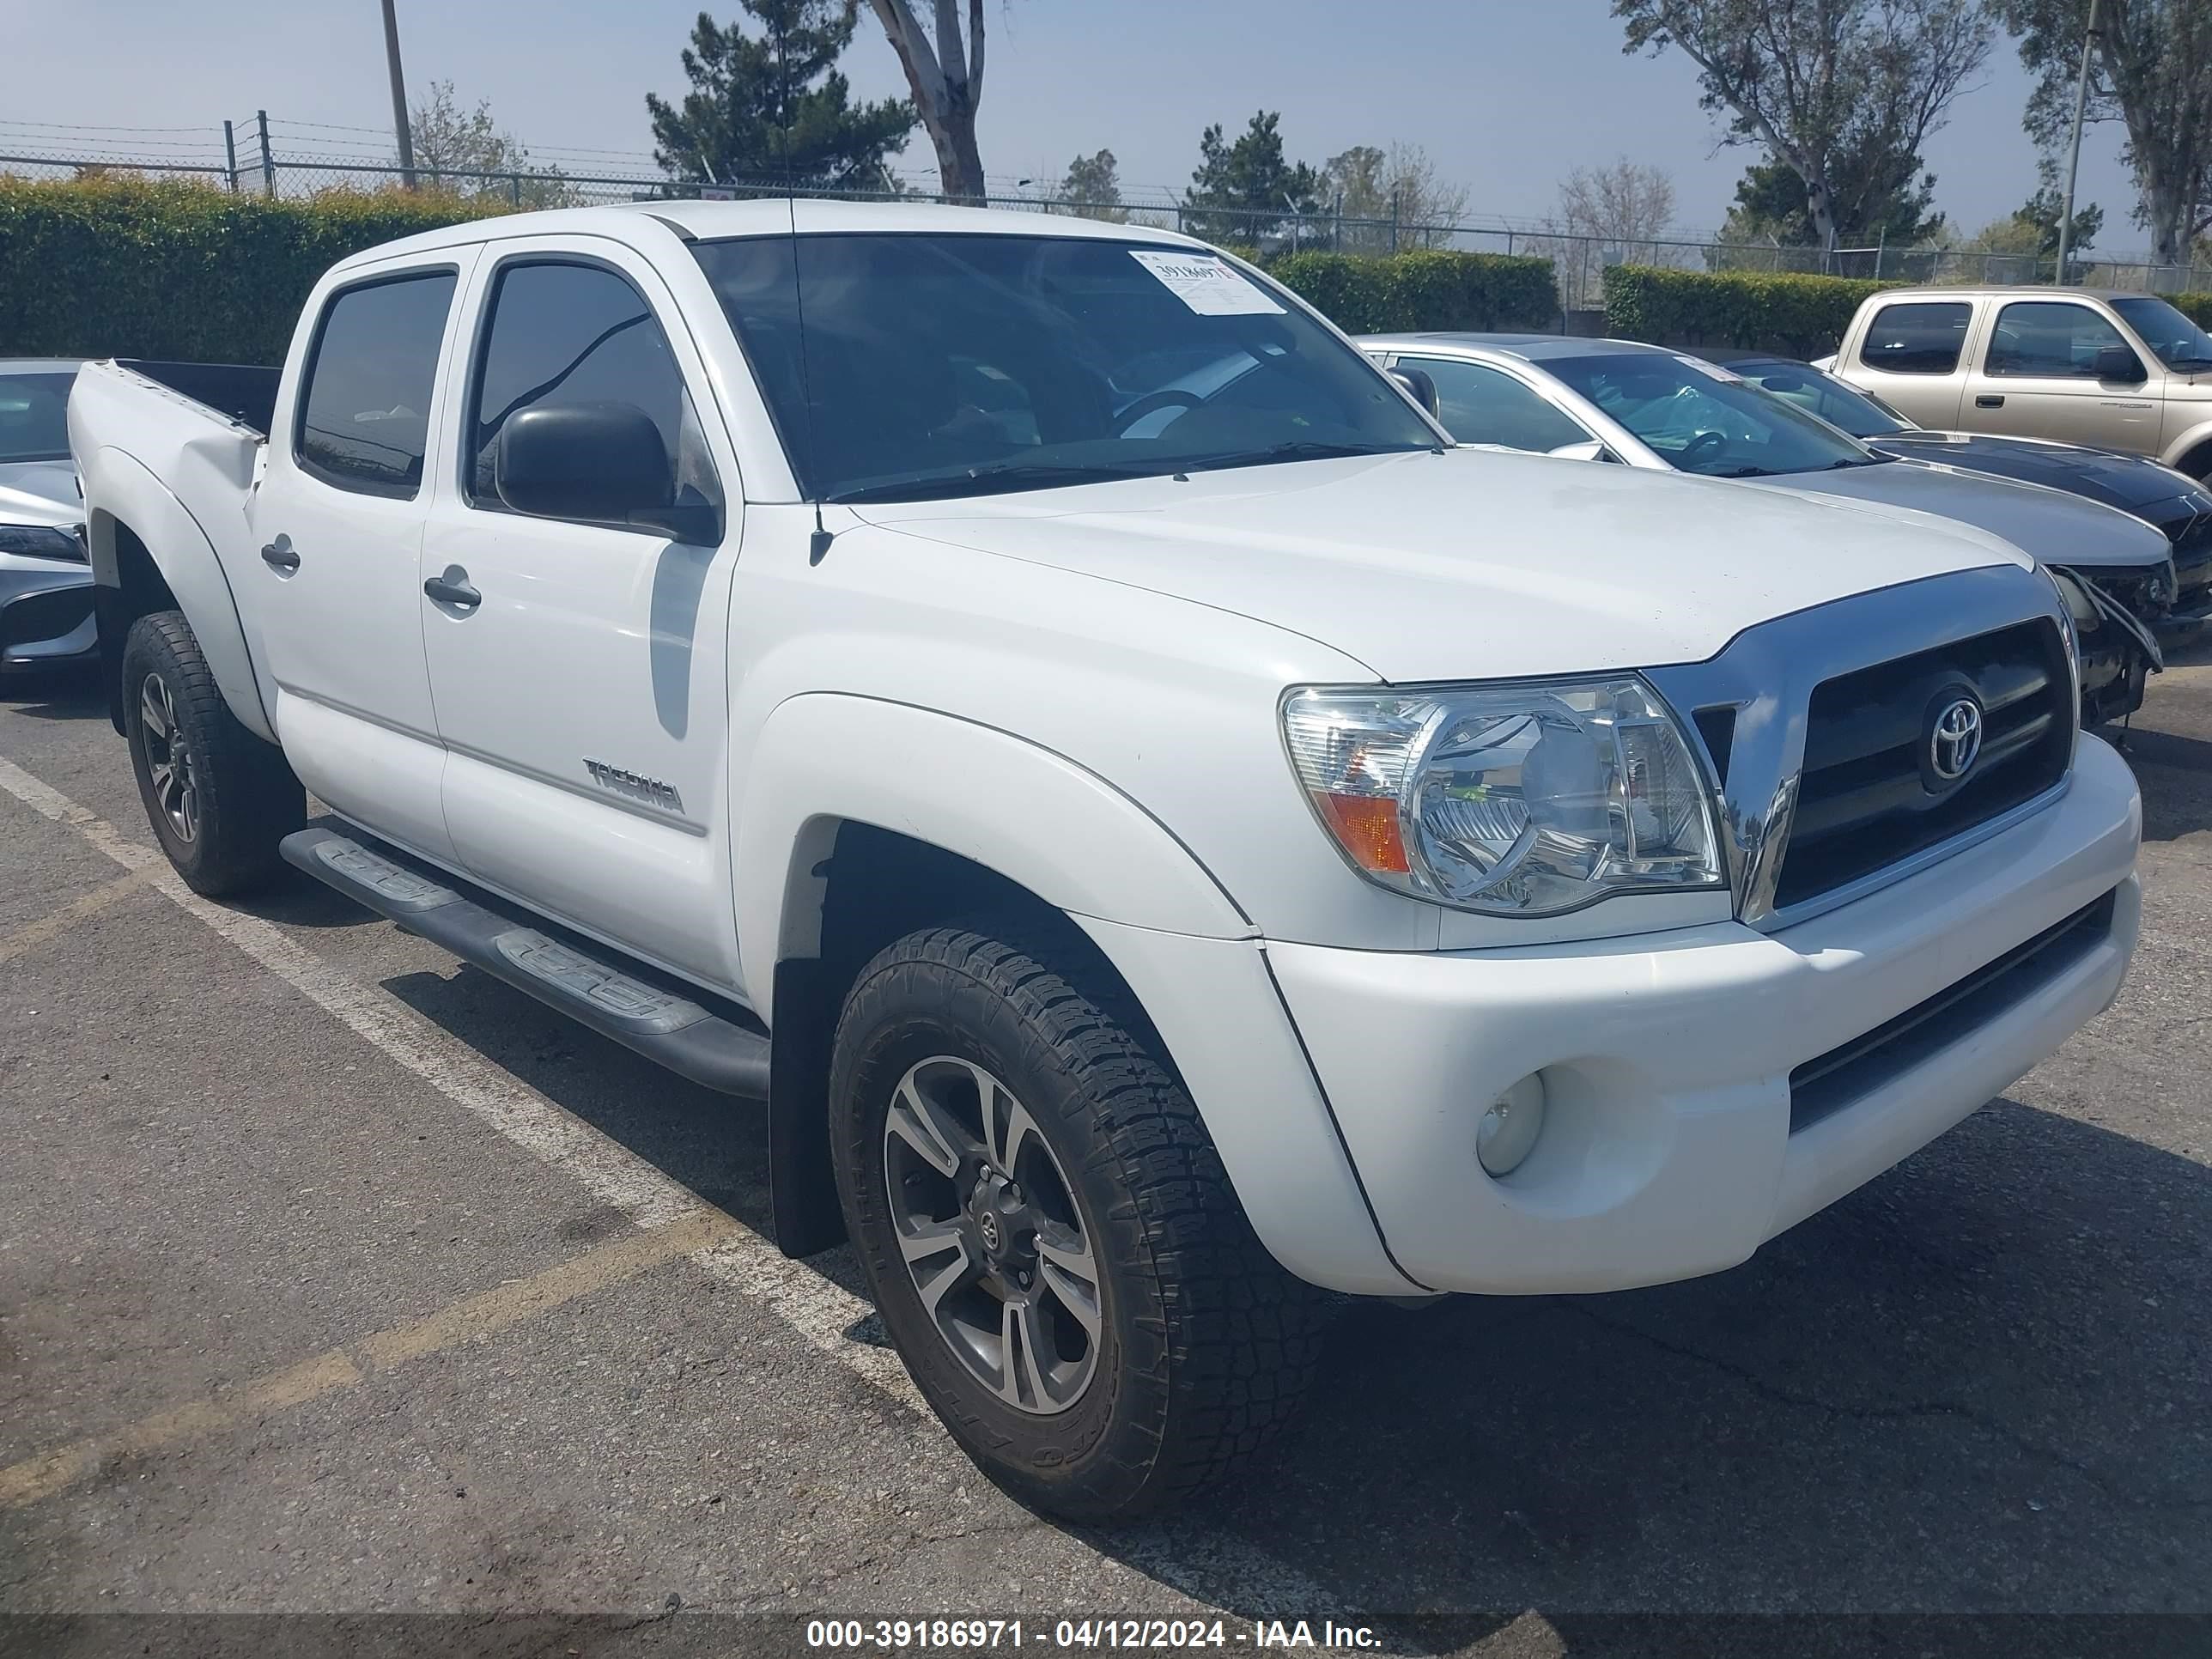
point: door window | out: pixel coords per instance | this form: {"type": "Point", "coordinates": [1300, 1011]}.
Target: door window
{"type": "Point", "coordinates": [562, 335]}
{"type": "Point", "coordinates": [1923, 338]}
{"type": "Point", "coordinates": [1480, 404]}
{"type": "Point", "coordinates": [364, 416]}
{"type": "Point", "coordinates": [2050, 340]}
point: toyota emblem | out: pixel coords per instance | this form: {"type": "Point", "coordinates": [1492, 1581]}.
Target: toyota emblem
{"type": "Point", "coordinates": [1955, 739]}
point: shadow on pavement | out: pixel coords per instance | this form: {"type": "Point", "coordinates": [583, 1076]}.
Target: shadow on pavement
{"type": "Point", "coordinates": [56, 694]}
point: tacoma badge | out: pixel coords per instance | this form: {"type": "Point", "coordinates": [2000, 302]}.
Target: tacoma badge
{"type": "Point", "coordinates": [648, 791]}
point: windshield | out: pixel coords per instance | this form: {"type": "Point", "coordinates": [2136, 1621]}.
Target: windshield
{"type": "Point", "coordinates": [1840, 405]}
{"type": "Point", "coordinates": [967, 365]}
{"type": "Point", "coordinates": [1702, 419]}
{"type": "Point", "coordinates": [2178, 343]}
{"type": "Point", "coordinates": [34, 418]}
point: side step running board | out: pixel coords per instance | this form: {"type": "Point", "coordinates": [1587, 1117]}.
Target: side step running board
{"type": "Point", "coordinates": [581, 981]}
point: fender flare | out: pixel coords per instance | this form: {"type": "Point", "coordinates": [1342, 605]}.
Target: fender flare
{"type": "Point", "coordinates": [1187, 952]}
{"type": "Point", "coordinates": [1024, 811]}
{"type": "Point", "coordinates": [2195, 438]}
{"type": "Point", "coordinates": [126, 493]}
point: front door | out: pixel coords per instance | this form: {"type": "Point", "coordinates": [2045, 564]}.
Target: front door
{"type": "Point", "coordinates": [338, 517]}
{"type": "Point", "coordinates": [2039, 377]}
{"type": "Point", "coordinates": [581, 692]}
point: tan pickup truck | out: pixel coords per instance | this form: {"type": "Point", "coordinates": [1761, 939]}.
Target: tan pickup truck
{"type": "Point", "coordinates": [2081, 366]}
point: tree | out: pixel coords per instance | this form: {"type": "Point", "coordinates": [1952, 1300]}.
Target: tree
{"type": "Point", "coordinates": [947, 85]}
{"type": "Point", "coordinates": [773, 107]}
{"type": "Point", "coordinates": [469, 153]}
{"type": "Point", "coordinates": [1378, 190]}
{"type": "Point", "coordinates": [2042, 214]}
{"type": "Point", "coordinates": [2150, 69]}
{"type": "Point", "coordinates": [1615, 214]}
{"type": "Point", "coordinates": [1245, 191]}
{"type": "Point", "coordinates": [1626, 203]}
{"type": "Point", "coordinates": [1879, 196]}
{"type": "Point", "coordinates": [1092, 188]}
{"type": "Point", "coordinates": [1820, 82]}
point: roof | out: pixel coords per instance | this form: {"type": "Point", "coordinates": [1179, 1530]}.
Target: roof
{"type": "Point", "coordinates": [2012, 290]}
{"type": "Point", "coordinates": [770, 216]}
{"type": "Point", "coordinates": [1533, 348]}
{"type": "Point", "coordinates": [41, 365]}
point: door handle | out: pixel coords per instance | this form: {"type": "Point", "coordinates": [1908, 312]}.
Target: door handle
{"type": "Point", "coordinates": [279, 555]}
{"type": "Point", "coordinates": [1990, 400]}
{"type": "Point", "coordinates": [452, 589]}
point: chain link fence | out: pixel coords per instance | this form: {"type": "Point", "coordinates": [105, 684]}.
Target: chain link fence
{"type": "Point", "coordinates": [249, 163]}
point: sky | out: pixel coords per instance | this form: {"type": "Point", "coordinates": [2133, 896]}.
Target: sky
{"type": "Point", "coordinates": [1507, 96]}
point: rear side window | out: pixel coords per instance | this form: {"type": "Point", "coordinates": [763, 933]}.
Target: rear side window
{"type": "Point", "coordinates": [1483, 405]}
{"type": "Point", "coordinates": [2055, 340]}
{"type": "Point", "coordinates": [365, 412]}
{"type": "Point", "coordinates": [566, 334]}
{"type": "Point", "coordinates": [1916, 339]}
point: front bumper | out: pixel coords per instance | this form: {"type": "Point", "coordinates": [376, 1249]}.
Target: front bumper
{"type": "Point", "coordinates": [1668, 1150]}
{"type": "Point", "coordinates": [45, 615]}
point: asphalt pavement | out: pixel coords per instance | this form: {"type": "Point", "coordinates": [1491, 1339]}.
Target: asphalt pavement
{"type": "Point", "coordinates": [342, 1286]}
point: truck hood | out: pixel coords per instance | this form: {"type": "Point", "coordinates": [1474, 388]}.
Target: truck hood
{"type": "Point", "coordinates": [1440, 566]}
{"type": "Point", "coordinates": [2052, 525]}
{"type": "Point", "coordinates": [2127, 481]}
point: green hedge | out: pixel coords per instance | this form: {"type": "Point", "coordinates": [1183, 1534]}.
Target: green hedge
{"type": "Point", "coordinates": [124, 268]}
{"type": "Point", "coordinates": [1762, 311]}
{"type": "Point", "coordinates": [1370, 294]}
{"type": "Point", "coordinates": [2196, 306]}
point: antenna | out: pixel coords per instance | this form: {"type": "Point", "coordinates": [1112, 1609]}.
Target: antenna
{"type": "Point", "coordinates": [818, 543]}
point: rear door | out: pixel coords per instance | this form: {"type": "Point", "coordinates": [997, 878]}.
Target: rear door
{"type": "Point", "coordinates": [583, 695]}
{"type": "Point", "coordinates": [2036, 376]}
{"type": "Point", "coordinates": [1912, 355]}
{"type": "Point", "coordinates": [337, 518]}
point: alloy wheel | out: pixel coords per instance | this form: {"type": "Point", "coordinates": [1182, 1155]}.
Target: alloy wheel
{"type": "Point", "coordinates": [169, 763]}
{"type": "Point", "coordinates": [987, 1223]}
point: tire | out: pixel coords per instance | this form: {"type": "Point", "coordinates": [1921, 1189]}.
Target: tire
{"type": "Point", "coordinates": [219, 799]}
{"type": "Point", "coordinates": [1203, 1346]}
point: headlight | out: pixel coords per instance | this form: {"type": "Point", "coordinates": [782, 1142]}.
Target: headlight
{"type": "Point", "coordinates": [40, 542]}
{"type": "Point", "coordinates": [1525, 800]}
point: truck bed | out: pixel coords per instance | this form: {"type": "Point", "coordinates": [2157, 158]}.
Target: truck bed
{"type": "Point", "coordinates": [245, 393]}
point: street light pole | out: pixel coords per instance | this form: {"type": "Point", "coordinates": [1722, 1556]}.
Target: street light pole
{"type": "Point", "coordinates": [399, 97]}
{"type": "Point", "coordinates": [2074, 151]}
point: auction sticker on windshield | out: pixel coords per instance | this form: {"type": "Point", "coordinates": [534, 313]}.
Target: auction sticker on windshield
{"type": "Point", "coordinates": [1205, 284]}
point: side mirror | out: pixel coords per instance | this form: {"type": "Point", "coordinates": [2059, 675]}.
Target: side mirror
{"type": "Point", "coordinates": [1417, 381]}
{"type": "Point", "coordinates": [1590, 450]}
{"type": "Point", "coordinates": [600, 462]}
{"type": "Point", "coordinates": [2120, 366]}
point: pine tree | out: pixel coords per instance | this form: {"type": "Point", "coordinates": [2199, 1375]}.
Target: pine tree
{"type": "Point", "coordinates": [772, 108]}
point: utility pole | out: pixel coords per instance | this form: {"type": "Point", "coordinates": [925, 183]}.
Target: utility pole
{"type": "Point", "coordinates": [2073, 153]}
{"type": "Point", "coordinates": [399, 97]}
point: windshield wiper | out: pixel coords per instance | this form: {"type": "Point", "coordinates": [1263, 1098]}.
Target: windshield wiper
{"type": "Point", "coordinates": [1301, 449]}
{"type": "Point", "coordinates": [987, 480]}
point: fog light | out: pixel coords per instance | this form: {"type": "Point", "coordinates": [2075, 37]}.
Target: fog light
{"type": "Point", "coordinates": [1508, 1131]}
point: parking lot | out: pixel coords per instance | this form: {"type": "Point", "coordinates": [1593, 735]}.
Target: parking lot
{"type": "Point", "coordinates": [337, 1279]}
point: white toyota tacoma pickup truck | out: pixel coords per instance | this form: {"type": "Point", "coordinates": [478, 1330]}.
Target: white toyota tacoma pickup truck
{"type": "Point", "coordinates": [1163, 828]}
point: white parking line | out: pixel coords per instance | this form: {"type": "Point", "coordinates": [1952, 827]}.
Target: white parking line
{"type": "Point", "coordinates": [818, 1309]}
{"type": "Point", "coordinates": [821, 1311]}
